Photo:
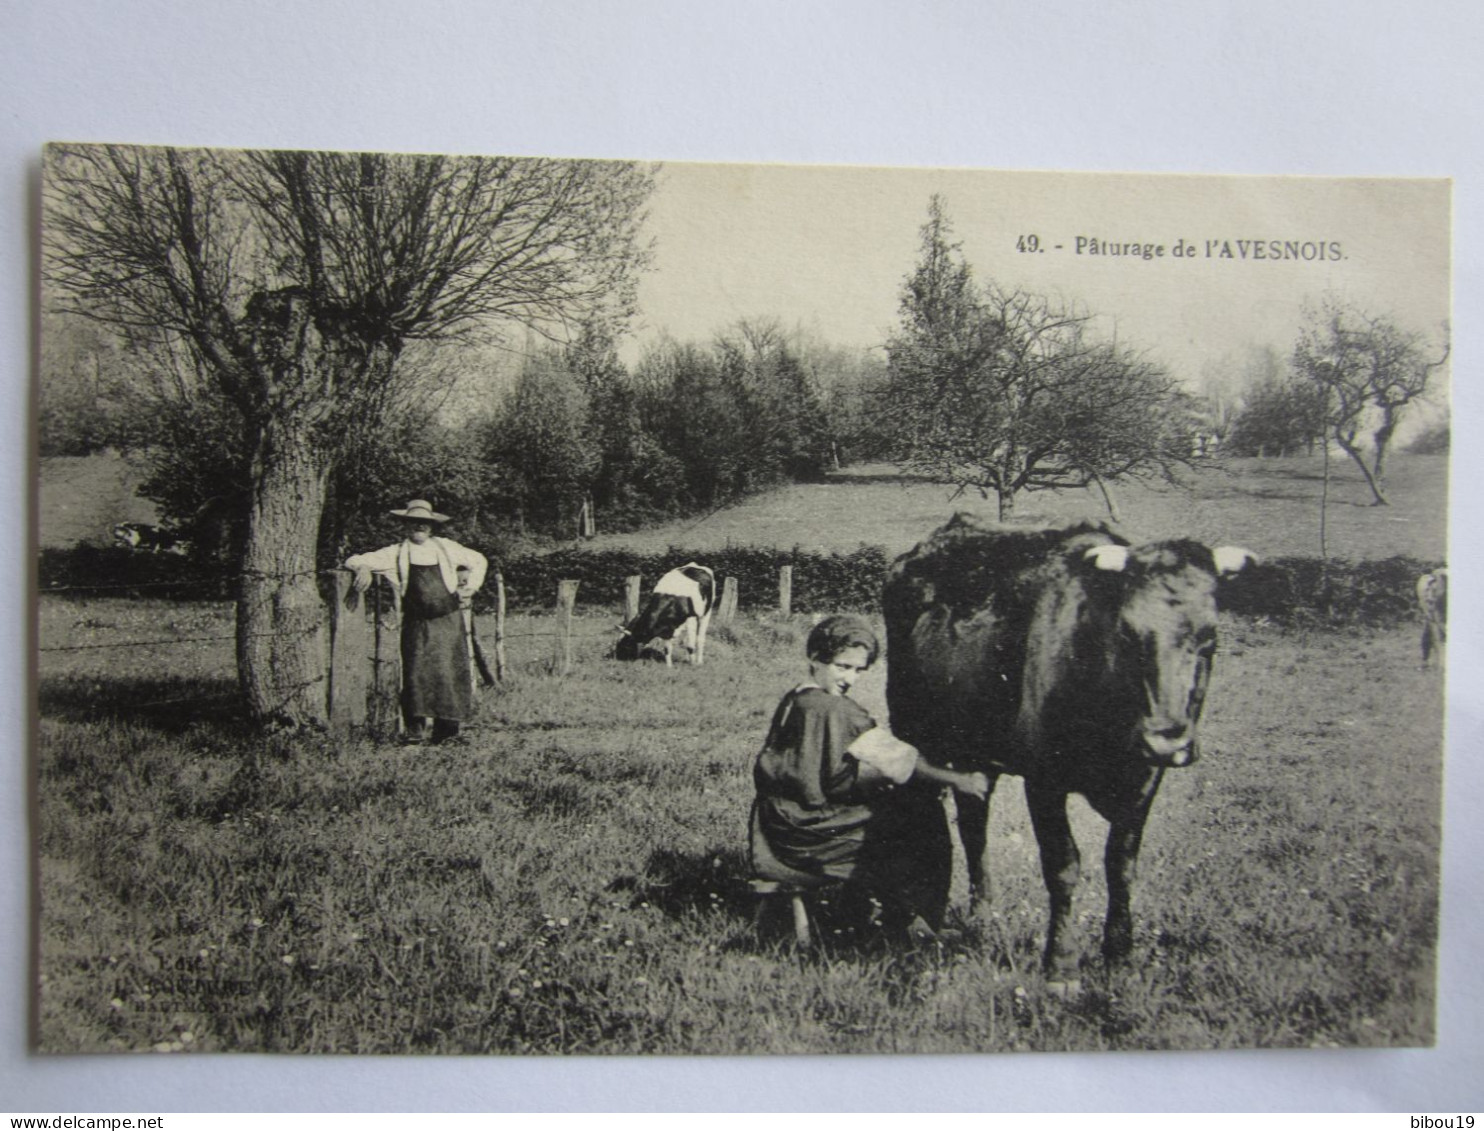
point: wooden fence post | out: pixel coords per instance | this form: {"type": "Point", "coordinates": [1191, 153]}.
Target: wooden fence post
{"type": "Point", "coordinates": [499, 626]}
{"type": "Point", "coordinates": [566, 600]}
{"type": "Point", "coordinates": [786, 590]}
{"type": "Point", "coordinates": [384, 714]}
{"type": "Point", "coordinates": [728, 600]}
{"type": "Point", "coordinates": [350, 655]}
{"type": "Point", "coordinates": [631, 586]}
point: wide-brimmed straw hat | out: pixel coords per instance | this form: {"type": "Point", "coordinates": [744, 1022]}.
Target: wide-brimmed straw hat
{"type": "Point", "coordinates": [420, 510]}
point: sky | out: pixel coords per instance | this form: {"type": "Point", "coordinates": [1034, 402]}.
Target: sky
{"type": "Point", "coordinates": [827, 248]}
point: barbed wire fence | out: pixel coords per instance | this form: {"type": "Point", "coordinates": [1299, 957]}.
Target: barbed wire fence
{"type": "Point", "coordinates": [565, 631]}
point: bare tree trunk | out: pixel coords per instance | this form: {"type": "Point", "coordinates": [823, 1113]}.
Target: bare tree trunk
{"type": "Point", "coordinates": [1324, 519]}
{"type": "Point", "coordinates": [1108, 500]}
{"type": "Point", "coordinates": [1382, 440]}
{"type": "Point", "coordinates": [1007, 504]}
{"type": "Point", "coordinates": [282, 650]}
{"type": "Point", "coordinates": [1377, 488]}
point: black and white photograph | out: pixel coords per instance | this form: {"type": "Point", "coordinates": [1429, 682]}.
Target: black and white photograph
{"type": "Point", "coordinates": [460, 454]}
{"type": "Point", "coordinates": [518, 605]}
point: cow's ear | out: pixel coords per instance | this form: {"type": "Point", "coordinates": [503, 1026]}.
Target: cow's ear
{"type": "Point", "coordinates": [1232, 560]}
{"type": "Point", "coordinates": [1111, 558]}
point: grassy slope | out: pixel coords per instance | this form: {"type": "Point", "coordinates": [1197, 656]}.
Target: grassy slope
{"type": "Point", "coordinates": [1270, 506]}
{"type": "Point", "coordinates": [82, 497]}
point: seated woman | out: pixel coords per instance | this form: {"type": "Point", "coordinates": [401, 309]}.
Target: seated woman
{"type": "Point", "coordinates": [826, 769]}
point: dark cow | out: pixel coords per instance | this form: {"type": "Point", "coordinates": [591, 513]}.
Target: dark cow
{"type": "Point", "coordinates": [679, 606]}
{"type": "Point", "coordinates": [147, 538]}
{"type": "Point", "coordinates": [1432, 598]}
{"type": "Point", "coordinates": [1066, 656]}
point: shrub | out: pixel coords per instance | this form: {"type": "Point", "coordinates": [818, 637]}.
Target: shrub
{"type": "Point", "coordinates": [1341, 594]}
{"type": "Point", "coordinates": [111, 571]}
{"type": "Point", "coordinates": [1434, 440]}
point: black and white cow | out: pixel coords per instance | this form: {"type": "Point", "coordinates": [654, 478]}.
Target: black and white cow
{"type": "Point", "coordinates": [148, 538]}
{"type": "Point", "coordinates": [679, 606]}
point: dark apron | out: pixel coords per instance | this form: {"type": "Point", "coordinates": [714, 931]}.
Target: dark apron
{"type": "Point", "coordinates": [435, 654]}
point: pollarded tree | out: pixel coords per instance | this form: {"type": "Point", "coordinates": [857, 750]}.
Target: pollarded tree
{"type": "Point", "coordinates": [295, 281]}
{"type": "Point", "coordinates": [1005, 391]}
{"type": "Point", "coordinates": [1367, 370]}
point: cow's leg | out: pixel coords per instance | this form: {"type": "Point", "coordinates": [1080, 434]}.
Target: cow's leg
{"type": "Point", "coordinates": [702, 623]}
{"type": "Point", "coordinates": [686, 635]}
{"type": "Point", "coordinates": [1060, 867]}
{"type": "Point", "coordinates": [973, 827]}
{"type": "Point", "coordinates": [1126, 818]}
{"type": "Point", "coordinates": [1120, 861]}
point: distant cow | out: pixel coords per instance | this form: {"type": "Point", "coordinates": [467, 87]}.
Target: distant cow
{"type": "Point", "coordinates": [1432, 598]}
{"type": "Point", "coordinates": [147, 538]}
{"type": "Point", "coordinates": [1067, 657]}
{"type": "Point", "coordinates": [679, 606]}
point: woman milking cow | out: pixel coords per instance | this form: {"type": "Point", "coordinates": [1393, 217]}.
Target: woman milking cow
{"type": "Point", "coordinates": [437, 579]}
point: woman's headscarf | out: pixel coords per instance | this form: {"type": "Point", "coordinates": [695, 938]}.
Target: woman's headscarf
{"type": "Point", "coordinates": [834, 634]}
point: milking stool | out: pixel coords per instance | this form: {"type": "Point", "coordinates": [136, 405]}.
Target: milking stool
{"type": "Point", "coordinates": [769, 890]}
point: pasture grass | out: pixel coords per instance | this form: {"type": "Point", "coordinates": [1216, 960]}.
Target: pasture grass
{"type": "Point", "coordinates": [572, 879]}
{"type": "Point", "coordinates": [1270, 506]}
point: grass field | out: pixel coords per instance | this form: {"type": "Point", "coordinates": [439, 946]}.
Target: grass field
{"type": "Point", "coordinates": [572, 879]}
{"type": "Point", "coordinates": [1268, 505]}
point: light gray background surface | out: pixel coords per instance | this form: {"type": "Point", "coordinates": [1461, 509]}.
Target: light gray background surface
{"type": "Point", "coordinates": [1331, 88]}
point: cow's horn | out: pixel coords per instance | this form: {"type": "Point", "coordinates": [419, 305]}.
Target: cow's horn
{"type": "Point", "coordinates": [1231, 560]}
{"type": "Point", "coordinates": [1112, 558]}
{"type": "Point", "coordinates": [623, 628]}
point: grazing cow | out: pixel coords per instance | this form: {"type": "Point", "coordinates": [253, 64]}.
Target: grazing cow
{"type": "Point", "coordinates": [679, 606]}
{"type": "Point", "coordinates": [147, 538]}
{"type": "Point", "coordinates": [1067, 657]}
{"type": "Point", "coordinates": [1432, 596]}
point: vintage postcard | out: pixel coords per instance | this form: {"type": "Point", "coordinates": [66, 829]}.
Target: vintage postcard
{"type": "Point", "coordinates": [522, 606]}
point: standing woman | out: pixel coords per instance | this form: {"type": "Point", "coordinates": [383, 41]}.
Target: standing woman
{"type": "Point", "coordinates": [437, 688]}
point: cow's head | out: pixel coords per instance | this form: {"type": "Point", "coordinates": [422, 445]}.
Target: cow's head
{"type": "Point", "coordinates": [1163, 626]}
{"type": "Point", "coordinates": [628, 645]}
{"type": "Point", "coordinates": [661, 616]}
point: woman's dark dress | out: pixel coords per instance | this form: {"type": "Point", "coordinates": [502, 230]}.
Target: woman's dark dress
{"type": "Point", "coordinates": [435, 656]}
{"type": "Point", "coordinates": [810, 819]}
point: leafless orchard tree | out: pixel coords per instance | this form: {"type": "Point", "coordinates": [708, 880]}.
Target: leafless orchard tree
{"type": "Point", "coordinates": [1368, 369]}
{"type": "Point", "coordinates": [295, 281]}
{"type": "Point", "coordinates": [1004, 391]}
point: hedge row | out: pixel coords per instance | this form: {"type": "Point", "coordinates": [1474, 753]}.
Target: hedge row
{"type": "Point", "coordinates": [821, 582]}
{"type": "Point", "coordinates": [1304, 592]}
{"type": "Point", "coordinates": [111, 571]}
{"type": "Point", "coordinates": [1297, 592]}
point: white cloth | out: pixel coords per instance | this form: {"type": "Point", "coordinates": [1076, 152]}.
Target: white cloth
{"type": "Point", "coordinates": [884, 752]}
{"type": "Point", "coordinates": [396, 562]}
